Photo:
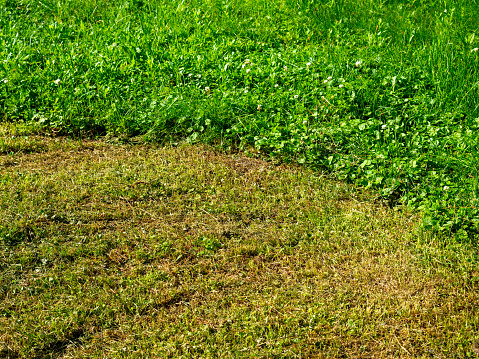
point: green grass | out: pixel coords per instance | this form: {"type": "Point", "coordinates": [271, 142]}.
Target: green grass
{"type": "Point", "coordinates": [381, 94]}
{"type": "Point", "coordinates": [124, 248]}
{"type": "Point", "coordinates": [111, 250]}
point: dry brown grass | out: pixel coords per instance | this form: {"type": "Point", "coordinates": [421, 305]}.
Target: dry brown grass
{"type": "Point", "coordinates": [111, 250]}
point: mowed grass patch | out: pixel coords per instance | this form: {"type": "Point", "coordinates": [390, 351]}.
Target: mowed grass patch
{"type": "Point", "coordinates": [130, 251]}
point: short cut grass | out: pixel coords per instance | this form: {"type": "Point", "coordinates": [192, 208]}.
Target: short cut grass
{"type": "Point", "coordinates": [111, 250]}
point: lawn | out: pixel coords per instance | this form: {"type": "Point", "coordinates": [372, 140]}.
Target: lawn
{"type": "Point", "coordinates": [384, 95]}
{"type": "Point", "coordinates": [113, 250]}
{"type": "Point", "coordinates": [226, 178]}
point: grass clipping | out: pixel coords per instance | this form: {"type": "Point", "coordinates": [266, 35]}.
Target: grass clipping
{"type": "Point", "coordinates": [111, 251]}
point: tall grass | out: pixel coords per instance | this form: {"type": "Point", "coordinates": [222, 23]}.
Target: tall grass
{"type": "Point", "coordinates": [383, 94]}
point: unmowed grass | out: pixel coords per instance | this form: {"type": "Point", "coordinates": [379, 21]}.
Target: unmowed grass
{"type": "Point", "coordinates": [383, 94]}
{"type": "Point", "coordinates": [114, 250]}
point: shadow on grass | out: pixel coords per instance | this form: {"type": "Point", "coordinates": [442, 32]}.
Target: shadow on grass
{"type": "Point", "coordinates": [9, 354]}
{"type": "Point", "coordinates": [55, 348]}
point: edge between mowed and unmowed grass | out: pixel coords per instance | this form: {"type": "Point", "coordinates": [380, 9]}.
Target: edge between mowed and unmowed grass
{"type": "Point", "coordinates": [138, 250]}
{"type": "Point", "coordinates": [382, 95]}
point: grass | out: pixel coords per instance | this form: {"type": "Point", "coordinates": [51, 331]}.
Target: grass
{"type": "Point", "coordinates": [360, 120]}
{"type": "Point", "coordinates": [124, 250]}
{"type": "Point", "coordinates": [381, 94]}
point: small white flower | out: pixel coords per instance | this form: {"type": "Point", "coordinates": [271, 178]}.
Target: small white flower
{"type": "Point", "coordinates": [276, 85]}
{"type": "Point", "coordinates": [384, 127]}
{"type": "Point", "coordinates": [248, 71]}
{"type": "Point", "coordinates": [475, 49]}
{"type": "Point", "coordinates": [446, 188]}
{"type": "Point", "coordinates": [243, 66]}
{"type": "Point", "coordinates": [285, 68]}
{"type": "Point", "coordinates": [189, 75]}
{"type": "Point", "coordinates": [245, 90]}
{"type": "Point", "coordinates": [358, 63]}
{"type": "Point", "coordinates": [207, 89]}
{"type": "Point", "coordinates": [308, 64]}
{"type": "Point", "coordinates": [259, 107]}
{"type": "Point", "coordinates": [325, 81]}
{"type": "Point", "coordinates": [57, 81]}
{"type": "Point", "coordinates": [247, 61]}
{"type": "Point", "coordinates": [330, 78]}
{"type": "Point", "coordinates": [305, 122]}
{"type": "Point", "coordinates": [341, 86]}
{"type": "Point", "coordinates": [5, 81]}
{"type": "Point", "coordinates": [295, 96]}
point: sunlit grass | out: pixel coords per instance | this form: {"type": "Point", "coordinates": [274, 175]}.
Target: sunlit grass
{"type": "Point", "coordinates": [111, 250]}
{"type": "Point", "coordinates": [121, 248]}
{"type": "Point", "coordinates": [384, 95]}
